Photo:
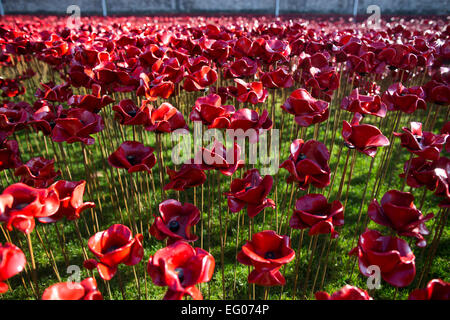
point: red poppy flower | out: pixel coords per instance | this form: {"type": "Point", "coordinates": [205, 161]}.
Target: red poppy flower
{"type": "Point", "coordinates": [425, 144]}
{"type": "Point", "coordinates": [313, 211]}
{"type": "Point", "coordinates": [77, 126]}
{"type": "Point", "coordinates": [114, 246]}
{"type": "Point", "coordinates": [397, 211]}
{"type": "Point", "coordinates": [175, 222]}
{"type": "Point", "coordinates": [421, 172]}
{"type": "Point", "coordinates": [166, 118]}
{"type": "Point", "coordinates": [133, 156]}
{"type": "Point", "coordinates": [200, 79]}
{"type": "Point", "coordinates": [252, 92]}
{"type": "Point", "coordinates": [92, 102]}
{"type": "Point", "coordinates": [52, 92]}
{"type": "Point", "coordinates": [158, 87]}
{"type": "Point", "coordinates": [189, 176]}
{"type": "Point", "coordinates": [437, 92]}
{"type": "Point", "coordinates": [364, 104]}
{"type": "Point", "coordinates": [446, 130]}
{"type": "Point", "coordinates": [308, 164]}
{"type": "Point", "coordinates": [210, 111]}
{"type": "Point", "coordinates": [9, 155]}
{"type": "Point", "coordinates": [267, 252]}
{"type": "Point", "coordinates": [442, 171]}
{"type": "Point", "coordinates": [12, 261]}
{"type": "Point", "coordinates": [181, 267]}
{"type": "Point", "coordinates": [365, 138]}
{"type": "Point", "coordinates": [250, 122]}
{"type": "Point", "coordinates": [71, 203]}
{"type": "Point", "coordinates": [436, 289]}
{"type": "Point", "coordinates": [20, 204]}
{"type": "Point", "coordinates": [241, 68]}
{"type": "Point", "coordinates": [391, 254]}
{"type": "Point", "coordinates": [347, 292]}
{"type": "Point", "coordinates": [85, 290]}
{"type": "Point", "coordinates": [279, 78]}
{"type": "Point", "coordinates": [129, 114]}
{"type": "Point", "coordinates": [226, 161]}
{"type": "Point", "coordinates": [398, 56]}
{"type": "Point", "coordinates": [44, 118]}
{"type": "Point", "coordinates": [306, 109]}
{"type": "Point", "coordinates": [37, 172]}
{"type": "Point", "coordinates": [250, 192]}
{"type": "Point", "coordinates": [407, 100]}
{"type": "Point", "coordinates": [11, 88]}
{"type": "Point", "coordinates": [13, 117]}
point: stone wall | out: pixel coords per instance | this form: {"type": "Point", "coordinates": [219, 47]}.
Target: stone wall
{"type": "Point", "coordinates": [146, 7]}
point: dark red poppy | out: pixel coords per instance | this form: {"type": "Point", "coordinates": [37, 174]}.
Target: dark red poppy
{"type": "Point", "coordinates": [189, 176]}
{"type": "Point", "coordinates": [241, 68]}
{"type": "Point", "coordinates": [437, 92]}
{"type": "Point", "coordinates": [20, 204]}
{"type": "Point", "coordinates": [313, 211]}
{"type": "Point", "coordinates": [421, 172]}
{"type": "Point", "coordinates": [391, 254]}
{"type": "Point", "coordinates": [37, 172]}
{"type": "Point", "coordinates": [397, 211]}
{"type": "Point", "coordinates": [133, 156]}
{"type": "Point", "coordinates": [442, 171]}
{"type": "Point", "coordinates": [308, 164]}
{"type": "Point", "coordinates": [347, 292]}
{"type": "Point", "coordinates": [92, 102]}
{"type": "Point", "coordinates": [250, 192]}
{"type": "Point", "coordinates": [158, 87]}
{"type": "Point", "coordinates": [181, 267]}
{"type": "Point", "coordinates": [250, 122]}
{"type": "Point", "coordinates": [44, 118]}
{"type": "Point", "coordinates": [252, 92]}
{"type": "Point", "coordinates": [407, 100]}
{"type": "Point", "coordinates": [175, 221]}
{"type": "Point", "coordinates": [200, 79]}
{"type": "Point", "coordinates": [279, 78]}
{"type": "Point", "coordinates": [129, 114]}
{"type": "Point", "coordinates": [11, 88]}
{"type": "Point", "coordinates": [13, 117]}
{"type": "Point", "coordinates": [219, 158]}
{"type": "Point", "coordinates": [364, 104]}
{"type": "Point", "coordinates": [12, 261]}
{"type": "Point", "coordinates": [425, 144]}
{"type": "Point", "coordinates": [71, 203]}
{"type": "Point", "coordinates": [52, 92]}
{"type": "Point", "coordinates": [9, 155]}
{"type": "Point", "coordinates": [210, 111]}
{"type": "Point", "coordinates": [365, 138]}
{"type": "Point", "coordinates": [436, 289]}
{"type": "Point", "coordinates": [446, 130]}
{"type": "Point", "coordinates": [166, 118]}
{"type": "Point", "coordinates": [85, 290]}
{"type": "Point", "coordinates": [77, 126]}
{"type": "Point", "coordinates": [114, 246]}
{"type": "Point", "coordinates": [306, 109]}
{"type": "Point", "coordinates": [267, 252]}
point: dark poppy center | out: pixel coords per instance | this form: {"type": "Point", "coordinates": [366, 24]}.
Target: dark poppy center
{"type": "Point", "coordinates": [111, 248]}
{"type": "Point", "coordinates": [180, 274]}
{"type": "Point", "coordinates": [20, 206]}
{"type": "Point", "coordinates": [418, 138]}
{"type": "Point", "coordinates": [301, 157]}
{"type": "Point", "coordinates": [269, 255]}
{"type": "Point", "coordinates": [131, 159]}
{"type": "Point", "coordinates": [247, 188]}
{"type": "Point", "coordinates": [174, 226]}
{"type": "Point", "coordinates": [132, 113]}
{"type": "Point", "coordinates": [52, 124]}
{"type": "Point", "coordinates": [348, 145]}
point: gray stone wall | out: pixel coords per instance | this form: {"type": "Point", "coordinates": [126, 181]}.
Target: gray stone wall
{"type": "Point", "coordinates": [146, 7]}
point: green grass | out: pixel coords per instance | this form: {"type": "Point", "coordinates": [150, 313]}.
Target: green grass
{"type": "Point", "coordinates": [105, 179]}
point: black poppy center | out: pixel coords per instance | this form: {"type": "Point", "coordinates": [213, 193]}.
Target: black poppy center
{"type": "Point", "coordinates": [112, 248]}
{"type": "Point", "coordinates": [20, 206]}
{"type": "Point", "coordinates": [180, 274]}
{"type": "Point", "coordinates": [418, 138]}
{"type": "Point", "coordinates": [174, 226]}
{"type": "Point", "coordinates": [52, 124]}
{"type": "Point", "coordinates": [247, 188]}
{"type": "Point", "coordinates": [301, 157]}
{"type": "Point", "coordinates": [269, 255]}
{"type": "Point", "coordinates": [132, 113]}
{"type": "Point", "coordinates": [132, 159]}
{"type": "Point", "coordinates": [348, 145]}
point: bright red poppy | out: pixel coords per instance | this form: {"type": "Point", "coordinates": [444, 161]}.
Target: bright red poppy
{"type": "Point", "coordinates": [9, 154]}
{"type": "Point", "coordinates": [181, 267]}
{"type": "Point", "coordinates": [347, 292]}
{"type": "Point", "coordinates": [12, 261]}
{"type": "Point", "coordinates": [175, 221]}
{"type": "Point", "coordinates": [407, 100]}
{"type": "Point", "coordinates": [210, 111]}
{"type": "Point", "coordinates": [112, 247]}
{"type": "Point", "coordinates": [250, 122]}
{"type": "Point", "coordinates": [436, 289]}
{"type": "Point", "coordinates": [188, 176]}
{"type": "Point", "coordinates": [37, 172]}
{"type": "Point", "coordinates": [127, 113]}
{"type": "Point", "coordinates": [133, 156]}
{"type": "Point", "coordinates": [85, 290]}
{"type": "Point", "coordinates": [166, 118]}
{"type": "Point", "coordinates": [267, 252]}
{"type": "Point", "coordinates": [219, 158]}
{"type": "Point", "coordinates": [364, 104]}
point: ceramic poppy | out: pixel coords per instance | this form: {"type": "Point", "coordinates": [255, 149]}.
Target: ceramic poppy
{"type": "Point", "coordinates": [84, 290]}
{"type": "Point", "coordinates": [188, 176]}
{"type": "Point", "coordinates": [392, 255]}
{"type": "Point", "coordinates": [9, 155]}
{"type": "Point", "coordinates": [407, 100]}
{"type": "Point", "coordinates": [37, 172]}
{"type": "Point", "coordinates": [364, 104]}
{"type": "Point", "coordinates": [12, 262]}
{"type": "Point", "coordinates": [181, 267]}
{"type": "Point", "coordinates": [133, 156]}
{"type": "Point", "coordinates": [250, 192]}
{"type": "Point", "coordinates": [305, 108]}
{"type": "Point", "coordinates": [115, 246]}
{"type": "Point", "coordinates": [175, 221]}
{"type": "Point", "coordinates": [249, 123]}
{"type": "Point", "coordinates": [436, 289]}
{"type": "Point", "coordinates": [347, 292]}
{"type": "Point", "coordinates": [219, 158]}
{"type": "Point", "coordinates": [166, 118]}
{"type": "Point", "coordinates": [267, 252]}
{"type": "Point", "coordinates": [210, 111]}
{"type": "Point", "coordinates": [127, 113]}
